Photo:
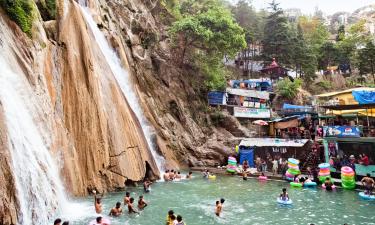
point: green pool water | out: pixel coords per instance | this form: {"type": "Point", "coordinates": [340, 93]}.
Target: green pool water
{"type": "Point", "coordinates": [247, 202]}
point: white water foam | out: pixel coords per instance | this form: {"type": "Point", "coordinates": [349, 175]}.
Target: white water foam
{"type": "Point", "coordinates": [123, 78]}
{"type": "Point", "coordinates": [39, 188]}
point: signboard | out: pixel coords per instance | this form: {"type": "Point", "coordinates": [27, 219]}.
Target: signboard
{"type": "Point", "coordinates": [249, 93]}
{"type": "Point", "coordinates": [216, 98]}
{"type": "Point", "coordinates": [341, 131]}
{"type": "Point", "coordinates": [251, 113]}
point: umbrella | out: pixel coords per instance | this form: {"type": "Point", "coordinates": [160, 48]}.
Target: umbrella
{"type": "Point", "coordinates": [260, 122]}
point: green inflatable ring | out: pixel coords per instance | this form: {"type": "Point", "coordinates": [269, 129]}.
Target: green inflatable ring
{"type": "Point", "coordinates": [294, 171]}
{"type": "Point", "coordinates": [294, 184]}
{"type": "Point", "coordinates": [347, 180]}
{"type": "Point", "coordinates": [323, 178]}
{"type": "Point", "coordinates": [349, 187]}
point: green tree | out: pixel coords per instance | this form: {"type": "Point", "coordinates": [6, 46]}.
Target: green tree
{"type": "Point", "coordinates": [288, 89]}
{"type": "Point", "coordinates": [213, 31]}
{"type": "Point", "coordinates": [366, 59]}
{"type": "Point", "coordinates": [327, 55]}
{"type": "Point", "coordinates": [340, 33]}
{"type": "Point", "coordinates": [277, 36]}
{"type": "Point", "coordinates": [205, 33]}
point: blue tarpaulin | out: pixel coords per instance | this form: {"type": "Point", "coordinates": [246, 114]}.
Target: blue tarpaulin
{"type": "Point", "coordinates": [248, 155]}
{"type": "Point", "coordinates": [289, 106]}
{"type": "Point", "coordinates": [364, 97]}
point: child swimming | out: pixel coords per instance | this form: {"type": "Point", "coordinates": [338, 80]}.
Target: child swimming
{"type": "Point", "coordinates": [284, 195]}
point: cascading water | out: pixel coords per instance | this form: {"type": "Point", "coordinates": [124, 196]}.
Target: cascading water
{"type": "Point", "coordinates": [123, 79]}
{"type": "Point", "coordinates": [40, 191]}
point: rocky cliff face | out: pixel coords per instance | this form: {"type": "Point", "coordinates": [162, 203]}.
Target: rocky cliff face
{"type": "Point", "coordinates": [92, 129]}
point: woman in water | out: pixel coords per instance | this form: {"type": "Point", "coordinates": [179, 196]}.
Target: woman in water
{"type": "Point", "coordinates": [284, 195]}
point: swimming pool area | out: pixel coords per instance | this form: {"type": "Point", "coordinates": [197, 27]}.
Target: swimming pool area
{"type": "Point", "coordinates": [247, 202]}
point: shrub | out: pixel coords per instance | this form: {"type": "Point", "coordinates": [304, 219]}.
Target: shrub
{"type": "Point", "coordinates": [21, 12]}
{"type": "Point", "coordinates": [288, 89]}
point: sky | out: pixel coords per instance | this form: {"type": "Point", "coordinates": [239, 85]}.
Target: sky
{"type": "Point", "coordinates": [308, 6]}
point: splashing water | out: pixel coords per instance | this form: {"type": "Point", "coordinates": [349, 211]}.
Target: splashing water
{"type": "Point", "coordinates": [124, 80]}
{"type": "Point", "coordinates": [39, 189]}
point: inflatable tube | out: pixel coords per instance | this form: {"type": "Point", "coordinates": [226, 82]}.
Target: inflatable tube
{"type": "Point", "coordinates": [324, 165]}
{"type": "Point", "coordinates": [212, 177]}
{"type": "Point", "coordinates": [309, 184]}
{"type": "Point", "coordinates": [231, 170]}
{"type": "Point", "coordinates": [294, 184]}
{"type": "Point", "coordinates": [104, 221]}
{"type": "Point", "coordinates": [346, 169]}
{"type": "Point", "coordinates": [324, 186]}
{"type": "Point", "coordinates": [324, 174]}
{"type": "Point", "coordinates": [283, 202]}
{"type": "Point", "coordinates": [262, 178]}
{"type": "Point", "coordinates": [293, 161]}
{"type": "Point", "coordinates": [366, 196]}
{"type": "Point", "coordinates": [348, 186]}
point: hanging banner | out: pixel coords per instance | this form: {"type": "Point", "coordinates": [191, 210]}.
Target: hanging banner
{"type": "Point", "coordinates": [251, 113]}
{"type": "Point", "coordinates": [341, 131]}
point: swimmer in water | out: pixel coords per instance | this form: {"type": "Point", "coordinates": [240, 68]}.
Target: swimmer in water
{"type": "Point", "coordinates": [166, 175]}
{"type": "Point", "coordinates": [116, 211]}
{"type": "Point", "coordinates": [169, 217]}
{"type": "Point", "coordinates": [219, 206]}
{"type": "Point", "coordinates": [189, 175]}
{"type": "Point", "coordinates": [178, 176]}
{"type": "Point", "coordinates": [180, 221]}
{"type": "Point", "coordinates": [127, 198]}
{"type": "Point", "coordinates": [284, 195]}
{"type": "Point", "coordinates": [130, 206]}
{"type": "Point", "coordinates": [146, 185]}
{"type": "Point", "coordinates": [98, 203]}
{"type": "Point", "coordinates": [328, 184]}
{"type": "Point", "coordinates": [141, 203]}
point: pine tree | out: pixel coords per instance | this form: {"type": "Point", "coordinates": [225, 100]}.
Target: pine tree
{"type": "Point", "coordinates": [366, 58]}
{"type": "Point", "coordinates": [277, 36]}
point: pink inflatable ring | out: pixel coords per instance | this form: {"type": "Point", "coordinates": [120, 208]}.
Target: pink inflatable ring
{"type": "Point", "coordinates": [262, 178]}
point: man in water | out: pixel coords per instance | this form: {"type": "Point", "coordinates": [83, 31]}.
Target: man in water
{"type": "Point", "coordinates": [169, 219]}
{"type": "Point", "coordinates": [57, 222]}
{"type": "Point", "coordinates": [166, 175]}
{"type": "Point", "coordinates": [130, 206]}
{"type": "Point", "coordinates": [98, 203]}
{"type": "Point", "coordinates": [368, 183]}
{"type": "Point", "coordinates": [328, 184]}
{"type": "Point", "coordinates": [284, 195]}
{"type": "Point", "coordinates": [146, 185]}
{"type": "Point", "coordinates": [190, 175]}
{"type": "Point", "coordinates": [116, 211]}
{"type": "Point", "coordinates": [99, 221]}
{"type": "Point", "coordinates": [127, 198]}
{"type": "Point", "coordinates": [219, 207]}
{"type": "Point", "coordinates": [141, 203]}
{"type": "Point", "coordinates": [178, 176]}
{"type": "Point", "coordinates": [171, 175]}
{"type": "Point", "coordinates": [179, 220]}
{"type": "Point", "coordinates": [206, 173]}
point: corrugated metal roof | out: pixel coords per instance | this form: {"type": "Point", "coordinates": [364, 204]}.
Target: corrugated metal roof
{"type": "Point", "coordinates": [273, 142]}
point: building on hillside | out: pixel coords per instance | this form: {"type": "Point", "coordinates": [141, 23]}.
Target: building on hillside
{"type": "Point", "coordinates": [347, 129]}
{"type": "Point", "coordinates": [274, 70]}
{"type": "Point", "coordinates": [246, 99]}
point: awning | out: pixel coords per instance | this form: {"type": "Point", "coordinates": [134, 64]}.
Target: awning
{"type": "Point", "coordinates": [287, 124]}
{"type": "Point", "coordinates": [330, 94]}
{"type": "Point", "coordinates": [249, 93]}
{"type": "Point", "coordinates": [273, 142]}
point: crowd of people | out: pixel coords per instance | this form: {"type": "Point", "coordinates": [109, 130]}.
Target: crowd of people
{"type": "Point", "coordinates": [173, 175]}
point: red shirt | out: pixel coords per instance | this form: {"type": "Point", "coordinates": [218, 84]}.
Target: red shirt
{"type": "Point", "coordinates": [365, 160]}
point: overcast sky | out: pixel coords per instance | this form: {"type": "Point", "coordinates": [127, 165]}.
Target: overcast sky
{"type": "Point", "coordinates": [308, 6]}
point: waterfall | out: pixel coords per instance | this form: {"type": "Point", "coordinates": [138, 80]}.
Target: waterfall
{"type": "Point", "coordinates": [124, 81]}
{"type": "Point", "coordinates": [39, 189]}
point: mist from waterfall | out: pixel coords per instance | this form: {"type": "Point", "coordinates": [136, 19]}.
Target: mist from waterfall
{"type": "Point", "coordinates": [39, 188]}
{"type": "Point", "coordinates": [123, 78]}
